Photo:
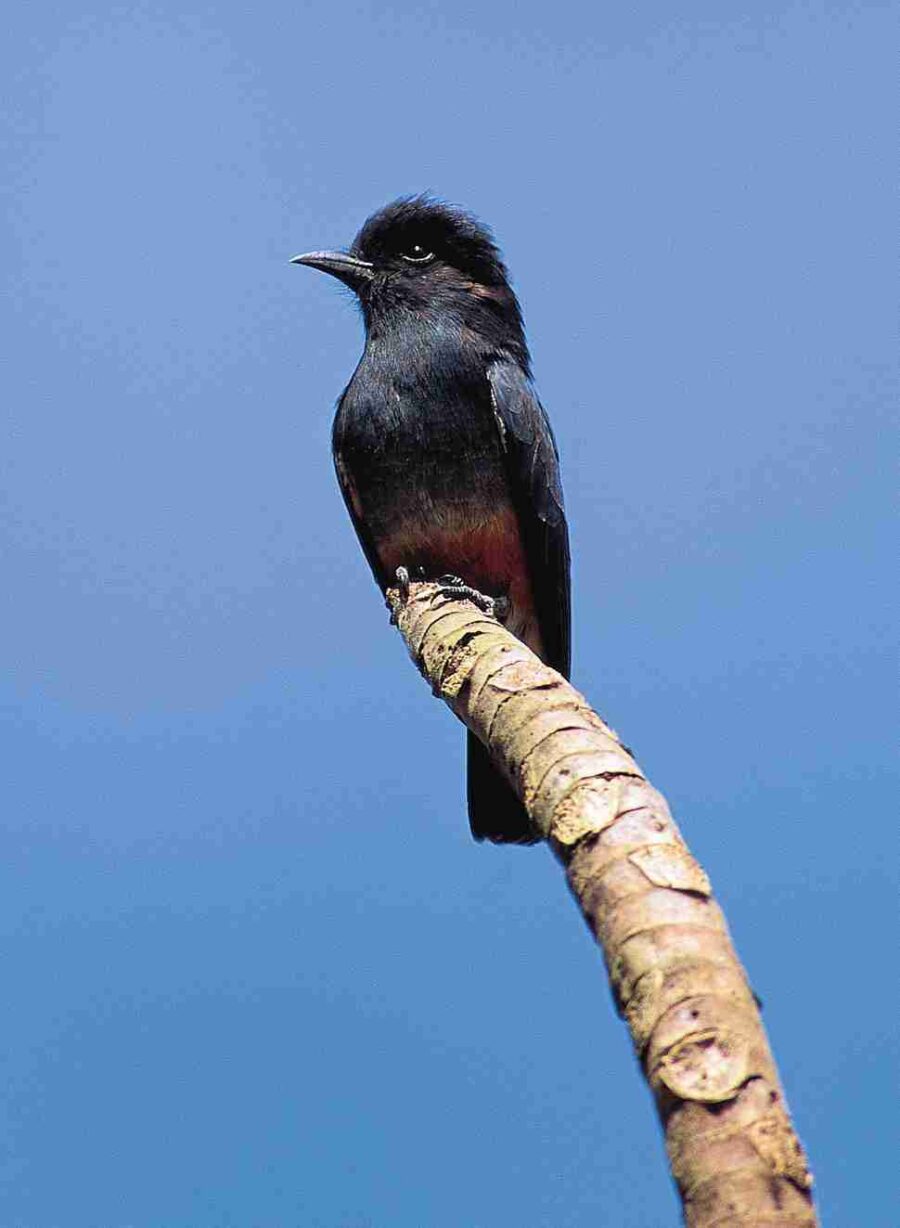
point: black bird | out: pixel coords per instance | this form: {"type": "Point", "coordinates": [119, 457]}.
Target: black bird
{"type": "Point", "coordinates": [445, 458]}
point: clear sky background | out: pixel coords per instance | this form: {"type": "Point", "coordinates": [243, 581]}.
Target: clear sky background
{"type": "Point", "coordinates": [255, 973]}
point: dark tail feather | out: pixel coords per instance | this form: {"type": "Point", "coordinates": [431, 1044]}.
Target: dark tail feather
{"type": "Point", "coordinates": [495, 813]}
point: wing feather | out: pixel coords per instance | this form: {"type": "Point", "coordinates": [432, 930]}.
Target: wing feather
{"type": "Point", "coordinates": [532, 463]}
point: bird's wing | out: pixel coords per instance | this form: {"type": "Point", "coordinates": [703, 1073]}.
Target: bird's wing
{"type": "Point", "coordinates": [351, 499]}
{"type": "Point", "coordinates": [533, 473]}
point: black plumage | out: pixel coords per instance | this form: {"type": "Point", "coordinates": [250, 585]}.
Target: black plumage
{"type": "Point", "coordinates": [444, 454]}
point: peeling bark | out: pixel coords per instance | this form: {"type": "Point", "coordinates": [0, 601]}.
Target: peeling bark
{"type": "Point", "coordinates": [675, 975]}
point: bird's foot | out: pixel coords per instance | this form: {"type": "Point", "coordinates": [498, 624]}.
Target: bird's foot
{"type": "Point", "coordinates": [454, 586]}
{"type": "Point", "coordinates": [402, 576]}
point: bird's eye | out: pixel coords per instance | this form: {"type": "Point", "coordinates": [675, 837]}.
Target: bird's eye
{"type": "Point", "coordinates": [417, 254]}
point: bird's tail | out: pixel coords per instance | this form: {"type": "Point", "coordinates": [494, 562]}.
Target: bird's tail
{"type": "Point", "coordinates": [495, 813]}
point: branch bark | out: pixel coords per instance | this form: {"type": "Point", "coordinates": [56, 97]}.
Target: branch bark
{"type": "Point", "coordinates": [677, 980]}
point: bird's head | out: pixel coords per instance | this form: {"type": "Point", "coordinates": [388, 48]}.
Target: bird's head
{"type": "Point", "coordinates": [422, 256]}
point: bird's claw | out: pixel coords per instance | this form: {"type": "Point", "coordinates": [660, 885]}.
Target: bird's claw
{"type": "Point", "coordinates": [403, 579]}
{"type": "Point", "coordinates": [455, 586]}
{"type": "Point", "coordinates": [401, 575]}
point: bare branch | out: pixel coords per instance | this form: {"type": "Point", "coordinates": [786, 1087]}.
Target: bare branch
{"type": "Point", "coordinates": [678, 982]}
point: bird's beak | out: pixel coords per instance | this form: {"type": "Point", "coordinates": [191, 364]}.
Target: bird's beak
{"type": "Point", "coordinates": [348, 269]}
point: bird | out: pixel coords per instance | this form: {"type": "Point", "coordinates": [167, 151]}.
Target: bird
{"type": "Point", "coordinates": [444, 455]}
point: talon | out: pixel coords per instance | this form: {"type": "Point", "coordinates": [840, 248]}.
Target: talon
{"type": "Point", "coordinates": [401, 575]}
{"type": "Point", "coordinates": [454, 586]}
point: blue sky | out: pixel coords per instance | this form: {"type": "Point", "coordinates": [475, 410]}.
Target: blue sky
{"type": "Point", "coordinates": [256, 973]}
